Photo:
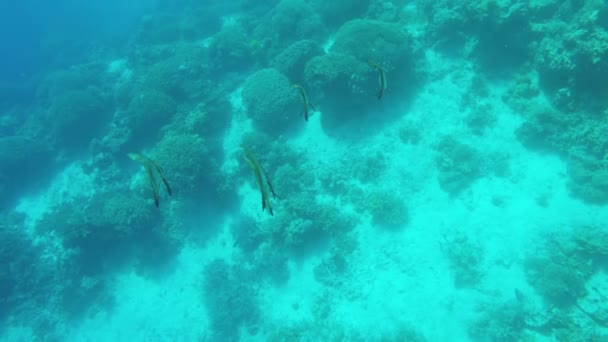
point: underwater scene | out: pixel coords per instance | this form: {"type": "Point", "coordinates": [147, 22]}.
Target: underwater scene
{"type": "Point", "coordinates": [304, 170]}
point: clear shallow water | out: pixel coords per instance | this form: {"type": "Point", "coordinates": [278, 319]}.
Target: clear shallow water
{"type": "Point", "coordinates": [467, 203]}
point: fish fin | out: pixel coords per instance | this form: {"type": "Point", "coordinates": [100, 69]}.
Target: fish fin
{"type": "Point", "coordinates": [163, 179]}
{"type": "Point", "coordinates": [167, 186]}
{"type": "Point", "coordinates": [270, 187]}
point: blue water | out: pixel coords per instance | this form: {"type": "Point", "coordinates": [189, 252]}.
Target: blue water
{"type": "Point", "coordinates": [303, 171]}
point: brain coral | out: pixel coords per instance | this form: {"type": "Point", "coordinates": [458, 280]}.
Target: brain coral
{"type": "Point", "coordinates": [272, 103]}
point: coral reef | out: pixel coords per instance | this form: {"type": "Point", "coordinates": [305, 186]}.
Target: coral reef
{"type": "Point", "coordinates": [289, 21]}
{"type": "Point", "coordinates": [465, 258]}
{"type": "Point", "coordinates": [581, 140]}
{"type": "Point", "coordinates": [177, 70]}
{"type": "Point", "coordinates": [388, 210]}
{"type": "Point", "coordinates": [229, 299]}
{"type": "Point", "coordinates": [343, 86]}
{"type": "Point", "coordinates": [25, 162]}
{"type": "Point", "coordinates": [18, 274]}
{"type": "Point", "coordinates": [78, 116]}
{"type": "Point", "coordinates": [103, 220]}
{"type": "Point", "coordinates": [560, 272]}
{"type": "Point", "coordinates": [186, 161]}
{"type": "Point", "coordinates": [232, 50]}
{"type": "Point", "coordinates": [344, 81]}
{"type": "Point", "coordinates": [496, 33]}
{"type": "Point", "coordinates": [153, 172]}
{"type": "Point", "coordinates": [147, 112]}
{"type": "Point", "coordinates": [335, 13]}
{"type": "Point", "coordinates": [291, 61]}
{"type": "Point", "coordinates": [77, 106]}
{"type": "Point", "coordinates": [271, 102]}
{"type": "Point", "coordinates": [459, 165]}
{"type": "Point", "coordinates": [570, 54]}
{"type": "Point", "coordinates": [505, 322]}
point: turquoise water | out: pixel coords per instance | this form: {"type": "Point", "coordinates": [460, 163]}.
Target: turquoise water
{"type": "Point", "coordinates": [304, 171]}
